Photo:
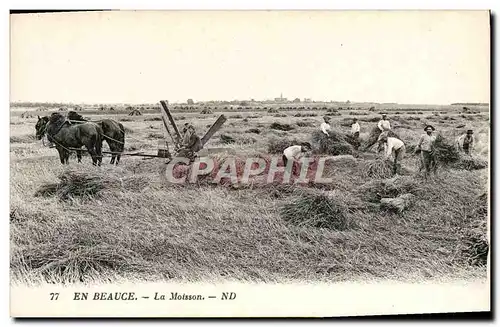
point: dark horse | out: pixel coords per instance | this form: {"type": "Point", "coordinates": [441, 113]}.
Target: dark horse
{"type": "Point", "coordinates": [113, 134]}
{"type": "Point", "coordinates": [67, 137]}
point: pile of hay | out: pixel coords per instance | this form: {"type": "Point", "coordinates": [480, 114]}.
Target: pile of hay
{"type": "Point", "coordinates": [399, 204]}
{"type": "Point", "coordinates": [81, 184]}
{"type": "Point", "coordinates": [375, 190]}
{"type": "Point", "coordinates": [227, 139]}
{"type": "Point", "coordinates": [446, 152]}
{"type": "Point", "coordinates": [377, 168]}
{"type": "Point", "coordinates": [276, 145]}
{"type": "Point", "coordinates": [135, 112]}
{"type": "Point", "coordinates": [206, 111]}
{"type": "Point", "coordinates": [253, 130]}
{"type": "Point", "coordinates": [317, 210]}
{"type": "Point", "coordinates": [470, 163]}
{"type": "Point", "coordinates": [333, 144]}
{"type": "Point", "coordinates": [281, 127]}
{"type": "Point", "coordinates": [305, 124]}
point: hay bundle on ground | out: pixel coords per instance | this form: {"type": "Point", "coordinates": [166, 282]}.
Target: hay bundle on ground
{"type": "Point", "coordinates": [317, 210]}
{"type": "Point", "coordinates": [305, 124]}
{"type": "Point", "coordinates": [333, 144]}
{"type": "Point", "coordinates": [470, 163]}
{"type": "Point", "coordinates": [135, 112]}
{"type": "Point", "coordinates": [227, 139]}
{"type": "Point", "coordinates": [375, 190]}
{"type": "Point", "coordinates": [83, 184]}
{"type": "Point", "coordinates": [253, 130]}
{"type": "Point", "coordinates": [398, 204]}
{"type": "Point", "coordinates": [206, 111]}
{"type": "Point", "coordinates": [377, 168]}
{"type": "Point", "coordinates": [281, 127]}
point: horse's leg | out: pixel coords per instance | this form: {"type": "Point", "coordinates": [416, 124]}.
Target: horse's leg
{"type": "Point", "coordinates": [61, 154]}
{"type": "Point", "coordinates": [79, 155]}
{"type": "Point", "coordinates": [113, 149]}
{"type": "Point", "coordinates": [98, 150]}
{"type": "Point", "coordinates": [92, 153]}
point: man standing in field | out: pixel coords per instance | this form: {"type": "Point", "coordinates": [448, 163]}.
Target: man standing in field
{"type": "Point", "coordinates": [426, 147]}
{"type": "Point", "coordinates": [325, 125]}
{"type": "Point", "coordinates": [394, 147]}
{"type": "Point", "coordinates": [467, 141]}
{"type": "Point", "coordinates": [295, 152]}
{"type": "Point", "coordinates": [355, 129]}
{"type": "Point", "coordinates": [384, 124]}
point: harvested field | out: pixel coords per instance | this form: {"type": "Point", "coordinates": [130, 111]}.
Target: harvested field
{"type": "Point", "coordinates": [81, 223]}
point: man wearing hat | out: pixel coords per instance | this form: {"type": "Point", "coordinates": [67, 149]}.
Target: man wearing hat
{"type": "Point", "coordinates": [468, 141]}
{"type": "Point", "coordinates": [426, 148]}
{"type": "Point", "coordinates": [325, 125]}
{"type": "Point", "coordinates": [384, 124]}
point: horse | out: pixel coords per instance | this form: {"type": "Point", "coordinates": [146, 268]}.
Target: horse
{"type": "Point", "coordinates": [113, 134]}
{"type": "Point", "coordinates": [66, 135]}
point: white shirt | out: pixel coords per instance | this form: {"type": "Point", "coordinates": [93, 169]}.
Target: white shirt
{"type": "Point", "coordinates": [293, 152]}
{"type": "Point", "coordinates": [325, 127]}
{"type": "Point", "coordinates": [384, 125]}
{"type": "Point", "coordinates": [355, 128]}
{"type": "Point", "coordinates": [392, 143]}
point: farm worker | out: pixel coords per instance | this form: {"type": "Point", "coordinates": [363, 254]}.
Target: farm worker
{"type": "Point", "coordinates": [426, 147]}
{"type": "Point", "coordinates": [384, 124]}
{"type": "Point", "coordinates": [355, 129]}
{"type": "Point", "coordinates": [295, 152]}
{"type": "Point", "coordinates": [393, 146]}
{"type": "Point", "coordinates": [467, 141]}
{"type": "Point", "coordinates": [325, 125]}
{"type": "Point", "coordinates": [191, 143]}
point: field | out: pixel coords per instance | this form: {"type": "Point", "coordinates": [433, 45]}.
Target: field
{"type": "Point", "coordinates": [133, 225]}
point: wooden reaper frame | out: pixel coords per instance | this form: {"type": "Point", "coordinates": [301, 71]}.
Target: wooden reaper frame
{"type": "Point", "coordinates": [176, 136]}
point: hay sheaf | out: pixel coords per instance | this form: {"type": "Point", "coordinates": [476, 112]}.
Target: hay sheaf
{"type": "Point", "coordinates": [470, 163]}
{"type": "Point", "coordinates": [445, 151]}
{"type": "Point", "coordinates": [375, 190]}
{"type": "Point", "coordinates": [398, 204]}
{"type": "Point", "coordinates": [78, 184]}
{"type": "Point", "coordinates": [281, 127]}
{"type": "Point", "coordinates": [317, 210]}
{"type": "Point", "coordinates": [333, 144]}
{"type": "Point", "coordinates": [377, 168]}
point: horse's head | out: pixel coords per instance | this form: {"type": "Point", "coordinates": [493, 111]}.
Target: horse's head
{"type": "Point", "coordinates": [40, 126]}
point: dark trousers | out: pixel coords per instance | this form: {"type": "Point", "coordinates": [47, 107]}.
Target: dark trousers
{"type": "Point", "coordinates": [428, 161]}
{"type": "Point", "coordinates": [285, 160]}
{"type": "Point", "coordinates": [466, 149]}
{"type": "Point", "coordinates": [398, 156]}
{"type": "Point", "coordinates": [356, 140]}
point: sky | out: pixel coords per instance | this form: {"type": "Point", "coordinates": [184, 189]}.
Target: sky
{"type": "Point", "coordinates": [412, 57]}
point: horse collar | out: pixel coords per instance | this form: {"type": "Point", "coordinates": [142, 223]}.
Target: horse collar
{"type": "Point", "coordinates": [58, 128]}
